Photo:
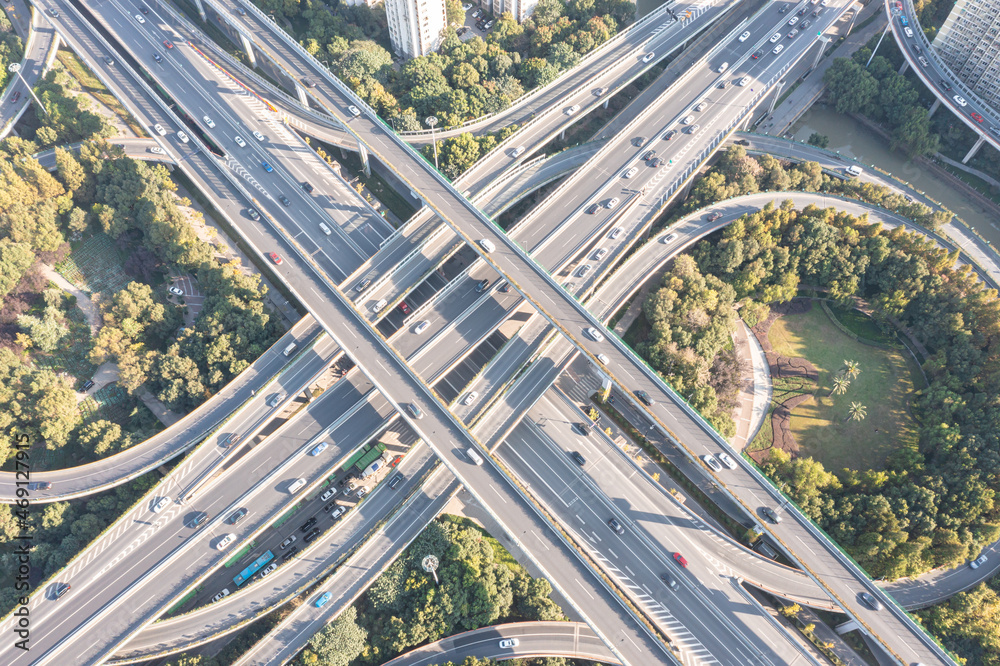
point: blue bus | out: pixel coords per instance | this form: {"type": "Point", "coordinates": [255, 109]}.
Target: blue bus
{"type": "Point", "coordinates": [248, 573]}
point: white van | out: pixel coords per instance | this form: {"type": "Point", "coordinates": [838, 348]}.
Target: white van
{"type": "Point", "coordinates": [473, 456]}
{"type": "Point", "coordinates": [378, 306]}
{"type": "Point", "coordinates": [289, 349]}
{"type": "Point", "coordinates": [325, 229]}
{"type": "Point", "coordinates": [296, 486]}
{"type": "Point", "coordinates": [854, 170]}
{"type": "Point", "coordinates": [487, 245]}
{"type": "Point", "coordinates": [688, 120]}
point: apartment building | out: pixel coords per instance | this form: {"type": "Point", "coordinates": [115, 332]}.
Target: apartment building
{"type": "Point", "coordinates": [415, 26]}
{"type": "Point", "coordinates": [519, 9]}
{"type": "Point", "coordinates": [969, 43]}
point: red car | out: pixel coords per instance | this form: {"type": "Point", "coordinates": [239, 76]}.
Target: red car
{"type": "Point", "coordinates": [404, 308]}
{"type": "Point", "coordinates": [680, 560]}
{"type": "Point", "coordinates": [166, 42]}
{"type": "Point", "coordinates": [975, 116]}
{"type": "Point", "coordinates": [275, 257]}
{"type": "Point", "coordinates": [16, 96]}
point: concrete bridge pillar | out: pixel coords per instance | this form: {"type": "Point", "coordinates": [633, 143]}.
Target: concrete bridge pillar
{"type": "Point", "coordinates": [975, 149]}
{"type": "Point", "coordinates": [777, 93]}
{"type": "Point", "coordinates": [823, 41]}
{"type": "Point", "coordinates": [934, 107]}
{"type": "Point", "coordinates": [300, 92]}
{"type": "Point", "coordinates": [248, 47]}
{"type": "Point", "coordinates": [606, 102]}
{"type": "Point", "coordinates": [906, 66]}
{"type": "Point", "coordinates": [846, 627]}
{"type": "Point", "coordinates": [562, 135]}
{"type": "Point", "coordinates": [365, 163]}
{"type": "Point", "coordinates": [201, 9]}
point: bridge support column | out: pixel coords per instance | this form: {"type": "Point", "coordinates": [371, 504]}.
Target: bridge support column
{"type": "Point", "coordinates": [857, 10]}
{"type": "Point", "coordinates": [777, 94]}
{"type": "Point", "coordinates": [975, 149]}
{"type": "Point", "coordinates": [934, 107]}
{"type": "Point", "coordinates": [846, 627]}
{"type": "Point", "coordinates": [823, 41]}
{"type": "Point", "coordinates": [248, 47]}
{"type": "Point", "coordinates": [562, 135]}
{"type": "Point", "coordinates": [363, 153]}
{"type": "Point", "coordinates": [906, 66]}
{"type": "Point", "coordinates": [300, 92]}
{"type": "Point", "coordinates": [606, 102]}
{"type": "Point", "coordinates": [201, 9]}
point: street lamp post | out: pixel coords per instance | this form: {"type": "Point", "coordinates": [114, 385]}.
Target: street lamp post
{"type": "Point", "coordinates": [15, 69]}
{"type": "Point", "coordinates": [432, 121]}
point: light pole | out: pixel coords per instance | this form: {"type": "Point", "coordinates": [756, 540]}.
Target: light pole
{"type": "Point", "coordinates": [432, 121]}
{"type": "Point", "coordinates": [15, 69]}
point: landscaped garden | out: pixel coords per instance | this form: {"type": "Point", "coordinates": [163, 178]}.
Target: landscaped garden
{"type": "Point", "coordinates": [823, 425]}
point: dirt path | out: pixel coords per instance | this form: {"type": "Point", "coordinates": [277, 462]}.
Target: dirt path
{"type": "Point", "coordinates": [90, 310]}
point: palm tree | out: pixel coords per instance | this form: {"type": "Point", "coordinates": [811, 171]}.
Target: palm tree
{"type": "Point", "coordinates": [852, 368]}
{"type": "Point", "coordinates": [857, 412]}
{"type": "Point", "coordinates": [840, 384]}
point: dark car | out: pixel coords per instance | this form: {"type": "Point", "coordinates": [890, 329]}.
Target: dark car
{"type": "Point", "coordinates": [61, 589]}
{"type": "Point", "coordinates": [650, 154]}
{"type": "Point", "coordinates": [284, 201]}
{"type": "Point", "coordinates": [669, 135]}
{"type": "Point", "coordinates": [254, 215]}
{"type": "Point", "coordinates": [312, 535]}
{"type": "Point", "coordinates": [806, 24]}
{"type": "Point", "coordinates": [669, 581]}
{"type": "Point", "coordinates": [757, 54]}
{"type": "Point", "coordinates": [482, 285]}
{"type": "Point", "coordinates": [89, 384]}
{"type": "Point", "coordinates": [307, 187]}
{"type": "Point", "coordinates": [782, 9]}
{"type": "Point", "coordinates": [396, 480]}
{"type": "Point", "coordinates": [290, 554]}
{"type": "Point", "coordinates": [642, 395]}
{"type": "Point", "coordinates": [741, 142]}
{"type": "Point", "coordinates": [16, 96]}
{"type": "Point", "coordinates": [578, 457]}
{"type": "Point", "coordinates": [593, 208]}
{"type": "Point", "coordinates": [658, 162]}
{"type": "Point", "coordinates": [638, 141]}
{"type": "Point", "coordinates": [237, 516]}
{"type": "Point", "coordinates": [771, 515]}
{"type": "Point", "coordinates": [157, 57]}
{"type": "Point", "coordinates": [308, 83]}
{"type": "Point", "coordinates": [945, 84]}
{"type": "Point", "coordinates": [871, 601]}
{"type": "Point", "coordinates": [616, 526]}
{"type": "Point", "coordinates": [39, 485]}
{"type": "Point", "coordinates": [144, 10]}
{"type": "Point", "coordinates": [198, 519]}
{"type": "Point", "coordinates": [109, 60]}
{"type": "Point", "coordinates": [712, 217]}
{"type": "Point", "coordinates": [304, 527]}
{"type": "Point", "coordinates": [582, 428]}
{"type": "Point", "coordinates": [330, 506]}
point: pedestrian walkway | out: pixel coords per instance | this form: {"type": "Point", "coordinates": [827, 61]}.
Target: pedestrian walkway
{"type": "Point", "coordinates": [755, 390]}
{"type": "Point", "coordinates": [89, 309]}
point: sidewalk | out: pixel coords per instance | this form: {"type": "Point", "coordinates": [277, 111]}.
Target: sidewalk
{"type": "Point", "coordinates": [756, 390]}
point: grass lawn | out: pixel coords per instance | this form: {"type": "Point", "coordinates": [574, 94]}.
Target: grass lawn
{"type": "Point", "coordinates": [884, 386]}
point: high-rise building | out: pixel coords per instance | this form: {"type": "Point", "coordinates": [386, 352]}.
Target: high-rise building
{"type": "Point", "coordinates": [519, 9]}
{"type": "Point", "coordinates": [415, 26]}
{"type": "Point", "coordinates": [969, 43]}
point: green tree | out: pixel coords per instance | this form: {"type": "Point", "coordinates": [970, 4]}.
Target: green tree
{"type": "Point", "coordinates": [913, 133]}
{"type": "Point", "coordinates": [850, 85]}
{"type": "Point", "coordinates": [339, 642]}
{"type": "Point", "coordinates": [840, 385]}
{"type": "Point", "coordinates": [454, 12]}
{"type": "Point", "coordinates": [818, 140]}
{"type": "Point", "coordinates": [857, 412]}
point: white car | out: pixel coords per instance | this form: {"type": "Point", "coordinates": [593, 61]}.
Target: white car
{"type": "Point", "coordinates": [712, 462]}
{"type": "Point", "coordinates": [176, 291]}
{"type": "Point", "coordinates": [600, 254]}
{"type": "Point", "coordinates": [723, 67]}
{"type": "Point", "coordinates": [775, 37]}
{"type": "Point", "coordinates": [269, 570]}
{"type": "Point", "coordinates": [239, 141]}
{"type": "Point", "coordinates": [319, 448]}
{"type": "Point", "coordinates": [615, 233]}
{"type": "Point", "coordinates": [296, 486]}
{"type": "Point", "coordinates": [517, 152]}
{"type": "Point", "coordinates": [355, 111]}
{"type": "Point", "coordinates": [727, 461]}
{"type": "Point", "coordinates": [583, 270]}
{"type": "Point", "coordinates": [603, 359]}
{"type": "Point", "coordinates": [961, 100]}
{"type": "Point", "coordinates": [257, 135]}
{"type": "Point", "coordinates": [508, 643]}
{"type": "Point", "coordinates": [649, 56]}
{"type": "Point", "coordinates": [226, 541]}
{"type": "Point", "coordinates": [161, 504]}
{"type": "Point", "coordinates": [138, 17]}
{"type": "Point", "coordinates": [701, 107]}
{"type": "Point", "coordinates": [745, 80]}
{"type": "Point", "coordinates": [162, 132]}
{"type": "Point", "coordinates": [379, 305]}
{"type": "Point", "coordinates": [220, 595]}
{"type": "Point", "coordinates": [487, 245]}
{"type": "Point", "coordinates": [669, 238]}
{"type": "Point", "coordinates": [631, 172]}
{"type": "Point", "coordinates": [467, 6]}
{"type": "Point", "coordinates": [182, 136]}
{"type": "Point", "coordinates": [208, 121]}
{"type": "Point", "coordinates": [156, 150]}
{"type": "Point", "coordinates": [793, 20]}
{"type": "Point", "coordinates": [471, 398]}
{"type": "Point", "coordinates": [612, 203]}
{"type": "Point", "coordinates": [571, 110]}
{"type": "Point", "coordinates": [745, 36]}
{"type": "Point", "coordinates": [595, 334]}
{"type": "Point", "coordinates": [978, 562]}
{"type": "Point", "coordinates": [421, 327]}
{"type": "Point", "coordinates": [778, 49]}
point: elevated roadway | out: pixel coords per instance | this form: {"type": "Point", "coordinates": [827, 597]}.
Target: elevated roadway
{"type": "Point", "coordinates": [949, 90]}
{"type": "Point", "coordinates": [40, 46]}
